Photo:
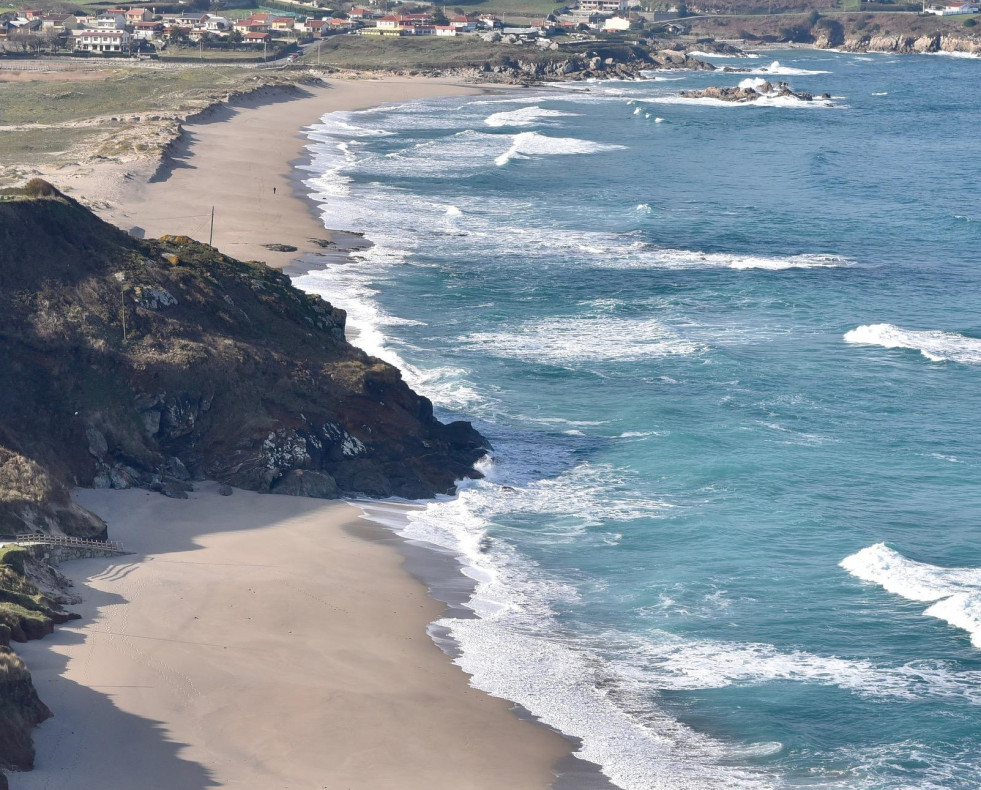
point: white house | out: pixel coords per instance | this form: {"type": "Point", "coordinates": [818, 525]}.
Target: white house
{"type": "Point", "coordinates": [954, 8]}
{"type": "Point", "coordinates": [109, 22]}
{"type": "Point", "coordinates": [617, 24]}
{"type": "Point", "coordinates": [604, 6]}
{"type": "Point", "coordinates": [101, 40]}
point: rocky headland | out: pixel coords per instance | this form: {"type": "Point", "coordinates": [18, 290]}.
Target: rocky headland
{"type": "Point", "coordinates": [155, 363]}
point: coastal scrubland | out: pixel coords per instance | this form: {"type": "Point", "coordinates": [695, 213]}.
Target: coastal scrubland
{"type": "Point", "coordinates": [423, 52]}
{"type": "Point", "coordinates": [57, 120]}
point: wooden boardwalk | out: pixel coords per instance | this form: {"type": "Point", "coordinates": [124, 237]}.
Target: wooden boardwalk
{"type": "Point", "coordinates": [42, 539]}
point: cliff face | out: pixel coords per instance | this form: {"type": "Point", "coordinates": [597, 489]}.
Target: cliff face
{"type": "Point", "coordinates": [152, 363]}
{"type": "Point", "coordinates": [20, 711]}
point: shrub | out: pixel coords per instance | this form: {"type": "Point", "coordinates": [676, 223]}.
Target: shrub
{"type": "Point", "coordinates": [38, 187]}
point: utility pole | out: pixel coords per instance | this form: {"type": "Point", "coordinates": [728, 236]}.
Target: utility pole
{"type": "Point", "coordinates": [121, 277]}
{"type": "Point", "coordinates": [211, 236]}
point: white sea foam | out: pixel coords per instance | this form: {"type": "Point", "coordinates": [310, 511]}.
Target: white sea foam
{"type": "Point", "coordinates": [526, 116]}
{"type": "Point", "coordinates": [956, 591]}
{"type": "Point", "coordinates": [581, 339]}
{"type": "Point", "coordinates": [935, 345]}
{"type": "Point", "coordinates": [514, 651]}
{"type": "Point", "coordinates": [665, 661]}
{"type": "Point", "coordinates": [527, 144]}
{"type": "Point", "coordinates": [643, 257]}
{"type": "Point", "coordinates": [775, 68]}
{"type": "Point", "coordinates": [752, 82]}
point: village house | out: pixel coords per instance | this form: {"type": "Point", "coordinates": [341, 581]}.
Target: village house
{"type": "Point", "coordinates": [281, 24]}
{"type": "Point", "coordinates": [313, 26]}
{"type": "Point", "coordinates": [146, 31]}
{"type": "Point", "coordinates": [359, 13]}
{"type": "Point", "coordinates": [216, 24]}
{"type": "Point", "coordinates": [337, 25]}
{"type": "Point", "coordinates": [100, 40]}
{"type": "Point", "coordinates": [135, 15]}
{"type": "Point", "coordinates": [618, 24]}
{"type": "Point", "coordinates": [954, 8]}
{"type": "Point", "coordinates": [604, 6]}
{"type": "Point", "coordinates": [463, 24]}
{"type": "Point", "coordinates": [59, 22]}
{"type": "Point", "coordinates": [489, 22]}
{"type": "Point", "coordinates": [251, 25]}
{"type": "Point", "coordinates": [256, 38]}
{"type": "Point", "coordinates": [108, 22]}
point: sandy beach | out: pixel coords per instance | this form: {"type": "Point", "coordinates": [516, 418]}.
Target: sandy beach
{"type": "Point", "coordinates": [237, 159]}
{"type": "Point", "coordinates": [258, 641]}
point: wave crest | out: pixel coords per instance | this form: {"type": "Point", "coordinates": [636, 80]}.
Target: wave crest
{"type": "Point", "coordinates": [935, 345]}
{"type": "Point", "coordinates": [956, 591]}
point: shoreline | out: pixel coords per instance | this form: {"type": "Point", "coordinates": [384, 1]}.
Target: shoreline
{"type": "Point", "coordinates": [194, 174]}
{"type": "Point", "coordinates": [239, 158]}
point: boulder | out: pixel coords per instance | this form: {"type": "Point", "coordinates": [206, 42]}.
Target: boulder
{"type": "Point", "coordinates": [304, 482]}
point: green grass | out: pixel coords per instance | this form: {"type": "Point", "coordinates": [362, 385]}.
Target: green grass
{"type": "Point", "coordinates": [510, 9]}
{"type": "Point", "coordinates": [216, 54]}
{"type": "Point", "coordinates": [424, 52]}
{"type": "Point", "coordinates": [12, 556]}
{"type": "Point", "coordinates": [126, 91]}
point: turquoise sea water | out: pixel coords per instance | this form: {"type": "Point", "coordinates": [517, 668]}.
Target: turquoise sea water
{"type": "Point", "coordinates": [729, 358]}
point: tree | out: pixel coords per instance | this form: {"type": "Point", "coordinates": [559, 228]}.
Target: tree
{"type": "Point", "coordinates": [439, 16]}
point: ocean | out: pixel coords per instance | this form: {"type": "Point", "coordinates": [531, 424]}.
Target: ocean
{"type": "Point", "coordinates": [729, 359]}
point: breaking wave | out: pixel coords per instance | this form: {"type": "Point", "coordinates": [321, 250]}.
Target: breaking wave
{"type": "Point", "coordinates": [955, 591]}
{"type": "Point", "coordinates": [935, 345]}
{"type": "Point", "coordinates": [527, 144]}
{"type": "Point", "coordinates": [526, 116]}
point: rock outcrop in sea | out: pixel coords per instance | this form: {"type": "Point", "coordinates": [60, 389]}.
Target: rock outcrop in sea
{"type": "Point", "coordinates": [750, 93]}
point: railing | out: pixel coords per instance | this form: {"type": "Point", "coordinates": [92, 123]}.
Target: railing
{"type": "Point", "coordinates": [64, 540]}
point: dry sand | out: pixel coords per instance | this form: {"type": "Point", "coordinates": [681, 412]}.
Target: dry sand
{"type": "Point", "coordinates": [256, 641]}
{"type": "Point", "coordinates": [234, 159]}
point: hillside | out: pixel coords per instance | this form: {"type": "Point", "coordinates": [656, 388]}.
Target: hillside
{"type": "Point", "coordinates": [153, 363]}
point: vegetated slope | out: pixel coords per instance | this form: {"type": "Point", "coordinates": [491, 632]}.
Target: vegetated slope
{"type": "Point", "coordinates": [226, 371]}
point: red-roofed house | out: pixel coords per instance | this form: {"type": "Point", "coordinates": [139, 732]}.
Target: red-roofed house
{"type": "Point", "coordinates": [135, 15]}
{"type": "Point", "coordinates": [256, 38]}
{"type": "Point", "coordinates": [251, 25]}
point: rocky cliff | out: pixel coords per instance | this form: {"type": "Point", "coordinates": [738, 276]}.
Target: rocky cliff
{"type": "Point", "coordinates": [901, 33]}
{"type": "Point", "coordinates": [154, 363]}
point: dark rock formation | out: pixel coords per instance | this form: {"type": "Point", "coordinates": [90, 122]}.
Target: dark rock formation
{"type": "Point", "coordinates": [153, 363]}
{"type": "Point", "coordinates": [748, 94]}
{"type": "Point", "coordinates": [20, 710]}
